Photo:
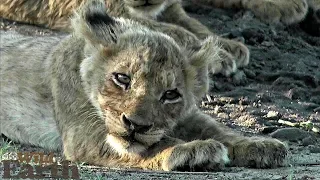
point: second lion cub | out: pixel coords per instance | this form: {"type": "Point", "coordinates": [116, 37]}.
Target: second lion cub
{"type": "Point", "coordinates": [166, 16]}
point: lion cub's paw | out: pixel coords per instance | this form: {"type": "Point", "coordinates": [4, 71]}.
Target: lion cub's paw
{"type": "Point", "coordinates": [237, 50]}
{"type": "Point", "coordinates": [241, 53]}
{"type": "Point", "coordinates": [275, 11]}
{"type": "Point", "coordinates": [197, 156]}
{"type": "Point", "coordinates": [225, 64]}
{"type": "Point", "coordinates": [258, 153]}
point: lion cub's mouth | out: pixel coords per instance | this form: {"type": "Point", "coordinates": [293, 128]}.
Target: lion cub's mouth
{"type": "Point", "coordinates": [133, 143]}
{"type": "Point", "coordinates": [146, 139]}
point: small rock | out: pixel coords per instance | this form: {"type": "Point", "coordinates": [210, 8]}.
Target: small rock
{"type": "Point", "coordinates": [308, 141]}
{"type": "Point", "coordinates": [216, 109]}
{"type": "Point", "coordinates": [290, 134]}
{"type": "Point", "coordinates": [246, 120]}
{"type": "Point", "coordinates": [273, 115]}
{"type": "Point", "coordinates": [258, 112]}
{"type": "Point", "coordinates": [314, 149]}
{"type": "Point", "coordinates": [223, 115]}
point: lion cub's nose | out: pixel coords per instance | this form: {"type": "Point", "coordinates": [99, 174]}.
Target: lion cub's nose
{"type": "Point", "coordinates": [132, 126]}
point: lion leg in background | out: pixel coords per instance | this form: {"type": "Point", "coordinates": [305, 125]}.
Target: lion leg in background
{"type": "Point", "coordinates": [234, 51]}
{"type": "Point", "coordinates": [243, 151]}
{"type": "Point", "coordinates": [53, 14]}
{"type": "Point", "coordinates": [26, 113]}
{"type": "Point", "coordinates": [270, 11]}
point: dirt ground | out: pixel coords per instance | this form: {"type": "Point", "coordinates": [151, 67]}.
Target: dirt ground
{"type": "Point", "coordinates": [277, 95]}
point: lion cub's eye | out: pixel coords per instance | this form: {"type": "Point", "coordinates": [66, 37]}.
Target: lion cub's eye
{"type": "Point", "coordinates": [121, 80]}
{"type": "Point", "coordinates": [171, 96]}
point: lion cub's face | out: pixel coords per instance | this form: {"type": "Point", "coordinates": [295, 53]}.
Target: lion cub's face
{"type": "Point", "coordinates": [144, 90]}
{"type": "Point", "coordinates": [143, 8]}
{"type": "Point", "coordinates": [139, 81]}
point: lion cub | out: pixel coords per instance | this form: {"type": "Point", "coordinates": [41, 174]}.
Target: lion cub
{"type": "Point", "coordinates": [166, 16]}
{"type": "Point", "coordinates": [116, 93]}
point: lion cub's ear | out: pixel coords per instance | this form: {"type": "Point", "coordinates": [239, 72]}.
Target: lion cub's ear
{"type": "Point", "coordinates": [200, 60]}
{"type": "Point", "coordinates": [92, 22]}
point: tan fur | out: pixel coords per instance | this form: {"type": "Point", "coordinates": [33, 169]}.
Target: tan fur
{"type": "Point", "coordinates": [271, 11]}
{"type": "Point", "coordinates": [67, 92]}
{"type": "Point", "coordinates": [166, 16]}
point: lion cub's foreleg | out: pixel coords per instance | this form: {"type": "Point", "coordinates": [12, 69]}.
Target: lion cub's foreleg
{"type": "Point", "coordinates": [169, 154]}
{"type": "Point", "coordinates": [233, 52]}
{"type": "Point", "coordinates": [176, 155]}
{"type": "Point", "coordinates": [243, 151]}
